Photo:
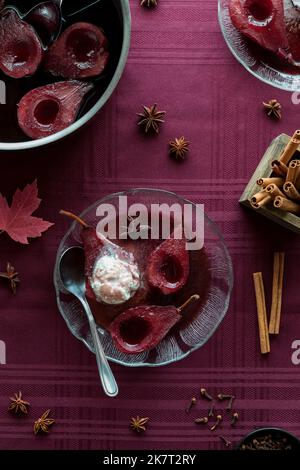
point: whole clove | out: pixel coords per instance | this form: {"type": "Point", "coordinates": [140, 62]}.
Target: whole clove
{"type": "Point", "coordinates": [225, 441]}
{"type": "Point", "coordinates": [204, 393]}
{"type": "Point", "coordinates": [235, 418]}
{"type": "Point", "coordinates": [230, 403]}
{"type": "Point", "coordinates": [203, 420]}
{"type": "Point", "coordinates": [191, 404]}
{"type": "Point", "coordinates": [222, 396]}
{"type": "Point", "coordinates": [217, 423]}
{"type": "Point", "coordinates": [231, 398]}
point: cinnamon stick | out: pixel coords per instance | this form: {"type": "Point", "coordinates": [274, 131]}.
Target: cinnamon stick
{"type": "Point", "coordinates": [296, 134]}
{"type": "Point", "coordinates": [264, 182]}
{"type": "Point", "coordinates": [273, 191]}
{"type": "Point", "coordinates": [297, 177]}
{"type": "Point", "coordinates": [286, 205]}
{"type": "Point", "coordinates": [261, 313]}
{"type": "Point", "coordinates": [260, 199]}
{"type": "Point", "coordinates": [292, 172]}
{"type": "Point", "coordinates": [291, 191]}
{"type": "Point", "coordinates": [281, 167]}
{"type": "Point", "coordinates": [277, 169]}
{"type": "Point", "coordinates": [278, 270]}
{"type": "Point", "coordinates": [290, 149]}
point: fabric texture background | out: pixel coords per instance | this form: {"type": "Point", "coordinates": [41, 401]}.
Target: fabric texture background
{"type": "Point", "coordinates": [178, 59]}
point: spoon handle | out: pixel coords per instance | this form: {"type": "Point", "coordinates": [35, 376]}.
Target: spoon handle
{"type": "Point", "coordinates": [108, 380]}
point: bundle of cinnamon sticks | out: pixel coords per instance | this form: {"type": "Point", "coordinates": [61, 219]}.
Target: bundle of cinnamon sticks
{"type": "Point", "coordinates": [282, 189]}
{"type": "Point", "coordinates": [273, 326]}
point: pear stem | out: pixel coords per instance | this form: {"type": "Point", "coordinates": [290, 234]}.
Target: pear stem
{"type": "Point", "coordinates": [192, 299]}
{"type": "Point", "coordinates": [74, 217]}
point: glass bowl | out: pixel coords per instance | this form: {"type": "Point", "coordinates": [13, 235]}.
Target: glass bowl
{"type": "Point", "coordinates": [185, 337]}
{"type": "Point", "coordinates": [253, 58]}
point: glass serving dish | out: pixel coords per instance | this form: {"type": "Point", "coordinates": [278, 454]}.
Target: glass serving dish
{"type": "Point", "coordinates": [256, 60]}
{"type": "Point", "coordinates": [190, 333]}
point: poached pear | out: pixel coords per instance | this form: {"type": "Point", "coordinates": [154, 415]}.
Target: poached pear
{"type": "Point", "coordinates": [20, 48]}
{"type": "Point", "coordinates": [51, 108]}
{"type": "Point", "coordinates": [262, 21]}
{"type": "Point", "coordinates": [169, 266]}
{"type": "Point", "coordinates": [80, 52]}
{"type": "Point", "coordinates": [142, 328]}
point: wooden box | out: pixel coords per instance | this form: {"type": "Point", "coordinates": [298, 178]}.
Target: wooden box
{"type": "Point", "coordinates": [286, 219]}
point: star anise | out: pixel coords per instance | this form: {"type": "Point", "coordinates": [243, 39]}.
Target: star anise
{"type": "Point", "coordinates": [138, 424]}
{"type": "Point", "coordinates": [273, 108]}
{"type": "Point", "coordinates": [151, 118]}
{"type": "Point", "coordinates": [148, 3]}
{"type": "Point", "coordinates": [18, 405]}
{"type": "Point", "coordinates": [178, 148]}
{"type": "Point", "coordinates": [43, 423]}
{"type": "Point", "coordinates": [11, 276]}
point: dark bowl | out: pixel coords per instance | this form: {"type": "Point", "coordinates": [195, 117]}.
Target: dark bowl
{"type": "Point", "coordinates": [275, 433]}
{"type": "Point", "coordinates": [123, 11]}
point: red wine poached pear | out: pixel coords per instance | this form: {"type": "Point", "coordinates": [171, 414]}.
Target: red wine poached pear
{"type": "Point", "coordinates": [51, 108]}
{"type": "Point", "coordinates": [168, 266]}
{"type": "Point", "coordinates": [80, 52]}
{"type": "Point", "coordinates": [20, 47]}
{"type": "Point", "coordinates": [142, 328]}
{"type": "Point", "coordinates": [273, 25]}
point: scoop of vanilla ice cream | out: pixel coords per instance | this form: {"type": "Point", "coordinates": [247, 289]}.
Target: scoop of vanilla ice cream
{"type": "Point", "coordinates": [114, 280]}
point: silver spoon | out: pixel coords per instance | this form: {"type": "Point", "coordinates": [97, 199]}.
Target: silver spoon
{"type": "Point", "coordinates": [71, 268]}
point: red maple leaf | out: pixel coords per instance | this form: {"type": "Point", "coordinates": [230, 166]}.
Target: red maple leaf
{"type": "Point", "coordinates": [17, 220]}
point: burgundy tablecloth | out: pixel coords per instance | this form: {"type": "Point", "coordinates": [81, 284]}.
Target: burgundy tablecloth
{"type": "Point", "coordinates": [179, 59]}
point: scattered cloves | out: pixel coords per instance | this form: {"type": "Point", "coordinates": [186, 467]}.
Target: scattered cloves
{"type": "Point", "coordinates": [212, 413]}
{"type": "Point", "coordinates": [191, 404]}
{"type": "Point", "coordinates": [203, 420]}
{"type": "Point", "coordinates": [204, 393]}
{"type": "Point", "coordinates": [225, 441]}
{"type": "Point", "coordinates": [217, 423]}
{"type": "Point", "coordinates": [235, 418]}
